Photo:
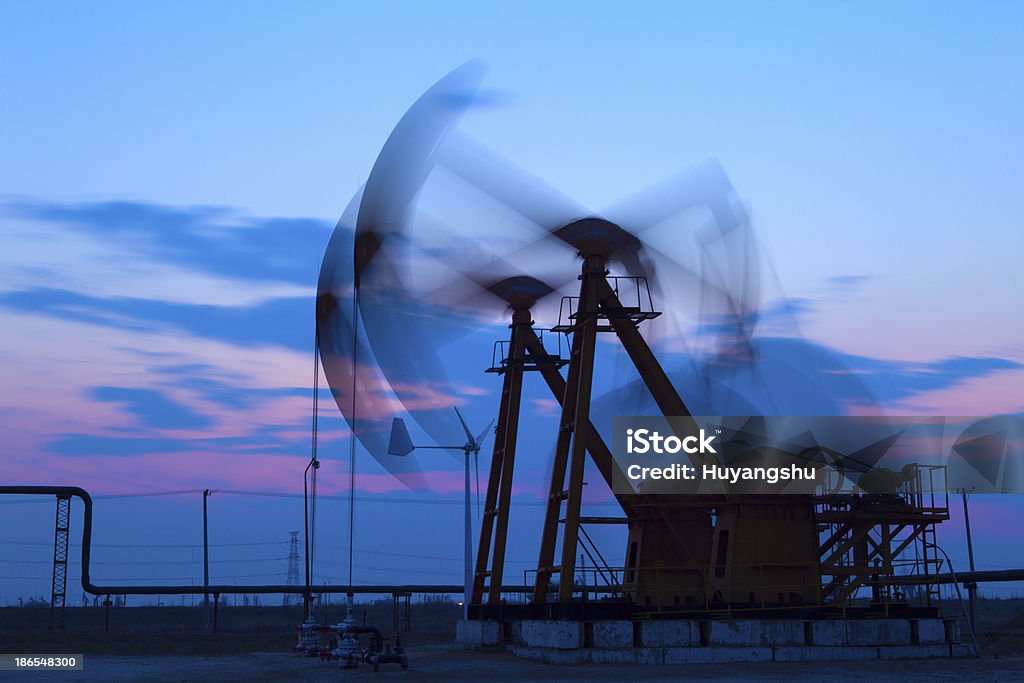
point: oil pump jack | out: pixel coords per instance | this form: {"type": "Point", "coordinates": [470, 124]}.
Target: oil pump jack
{"type": "Point", "coordinates": [683, 551]}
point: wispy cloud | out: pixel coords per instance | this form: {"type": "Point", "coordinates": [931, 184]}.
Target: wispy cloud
{"type": "Point", "coordinates": [282, 321]}
{"type": "Point", "coordinates": [217, 241]}
{"type": "Point", "coordinates": [846, 283]}
{"type": "Point", "coordinates": [159, 341]}
{"type": "Point", "coordinates": [151, 408]}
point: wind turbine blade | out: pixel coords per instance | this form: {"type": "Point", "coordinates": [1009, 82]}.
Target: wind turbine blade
{"type": "Point", "coordinates": [465, 428]}
{"type": "Point", "coordinates": [400, 442]}
{"type": "Point", "coordinates": [353, 384]}
{"type": "Point", "coordinates": [483, 434]}
{"type": "Point", "coordinates": [391, 311]}
{"type": "Point", "coordinates": [407, 158]}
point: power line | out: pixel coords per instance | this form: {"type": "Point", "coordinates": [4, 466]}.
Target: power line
{"type": "Point", "coordinates": [392, 500]}
{"type": "Point", "coordinates": [281, 494]}
{"type": "Point", "coordinates": [181, 492]}
{"type": "Point", "coordinates": [149, 563]}
{"type": "Point", "coordinates": [161, 578]}
{"type": "Point", "coordinates": [381, 553]}
{"type": "Point", "coordinates": [152, 545]}
{"type": "Point", "coordinates": [107, 496]}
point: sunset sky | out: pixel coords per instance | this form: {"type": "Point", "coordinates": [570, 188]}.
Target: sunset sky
{"type": "Point", "coordinates": [170, 176]}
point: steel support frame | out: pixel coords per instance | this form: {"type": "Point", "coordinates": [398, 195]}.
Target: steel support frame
{"type": "Point", "coordinates": [58, 590]}
{"type": "Point", "coordinates": [532, 346]}
{"type": "Point", "coordinates": [575, 424]}
{"type": "Point", "coordinates": [494, 525]}
{"type": "Point", "coordinates": [576, 433]}
{"type": "Point", "coordinates": [599, 452]}
{"type": "Point", "coordinates": [573, 434]}
{"type": "Point", "coordinates": [647, 365]}
{"type": "Point", "coordinates": [845, 583]}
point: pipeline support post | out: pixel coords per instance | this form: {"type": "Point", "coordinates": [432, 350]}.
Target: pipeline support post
{"type": "Point", "coordinates": [58, 590]}
{"type": "Point", "coordinates": [972, 587]}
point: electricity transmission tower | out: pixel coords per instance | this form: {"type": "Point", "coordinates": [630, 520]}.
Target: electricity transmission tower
{"type": "Point", "coordinates": [293, 566]}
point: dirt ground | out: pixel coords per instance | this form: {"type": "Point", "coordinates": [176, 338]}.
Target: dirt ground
{"type": "Point", "coordinates": [253, 643]}
{"type": "Point", "coordinates": [433, 663]}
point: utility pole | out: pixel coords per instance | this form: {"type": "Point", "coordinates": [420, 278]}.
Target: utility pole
{"type": "Point", "coordinates": [972, 586]}
{"type": "Point", "coordinates": [206, 554]}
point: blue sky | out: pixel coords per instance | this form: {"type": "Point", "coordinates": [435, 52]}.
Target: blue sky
{"type": "Point", "coordinates": [170, 176]}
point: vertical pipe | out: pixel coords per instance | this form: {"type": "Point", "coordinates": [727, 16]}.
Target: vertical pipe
{"type": "Point", "coordinates": [353, 437]}
{"type": "Point", "coordinates": [308, 595]}
{"type": "Point", "coordinates": [972, 587]}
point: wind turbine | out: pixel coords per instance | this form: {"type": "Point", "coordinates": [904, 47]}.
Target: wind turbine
{"type": "Point", "coordinates": [401, 444]}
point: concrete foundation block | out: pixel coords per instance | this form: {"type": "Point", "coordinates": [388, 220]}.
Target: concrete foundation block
{"type": "Point", "coordinates": [613, 634]}
{"type": "Point", "coordinates": [734, 633]}
{"type": "Point", "coordinates": [650, 655]}
{"type": "Point", "coordinates": [828, 633]}
{"type": "Point", "coordinates": [783, 632]}
{"type": "Point", "coordinates": [524, 651]}
{"type": "Point", "coordinates": [551, 656]}
{"type": "Point", "coordinates": [633, 655]}
{"type": "Point", "coordinates": [826, 653]}
{"type": "Point", "coordinates": [878, 632]}
{"type": "Point", "coordinates": [558, 635]}
{"type": "Point", "coordinates": [716, 655]}
{"type": "Point", "coordinates": [565, 656]}
{"type": "Point", "coordinates": [678, 642]}
{"type": "Point", "coordinates": [619, 656]}
{"type": "Point", "coordinates": [477, 633]}
{"type": "Point", "coordinates": [756, 632]}
{"type": "Point", "coordinates": [964, 650]}
{"type": "Point", "coordinates": [670, 633]}
{"type": "Point", "coordinates": [931, 631]}
{"type": "Point", "coordinates": [912, 651]}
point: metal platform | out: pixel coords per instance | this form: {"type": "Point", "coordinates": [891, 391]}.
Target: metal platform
{"type": "Point", "coordinates": [634, 294]}
{"type": "Point", "coordinates": [502, 362]}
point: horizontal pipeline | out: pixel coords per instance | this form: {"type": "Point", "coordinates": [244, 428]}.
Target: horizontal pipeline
{"type": "Point", "coordinates": [965, 578]}
{"type": "Point", "coordinates": [94, 589]}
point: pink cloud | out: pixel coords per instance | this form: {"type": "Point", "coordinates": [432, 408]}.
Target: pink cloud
{"type": "Point", "coordinates": [378, 399]}
{"type": "Point", "coordinates": [250, 472]}
{"type": "Point", "coordinates": [470, 390]}
{"type": "Point", "coordinates": [994, 394]}
{"type": "Point", "coordinates": [545, 406]}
